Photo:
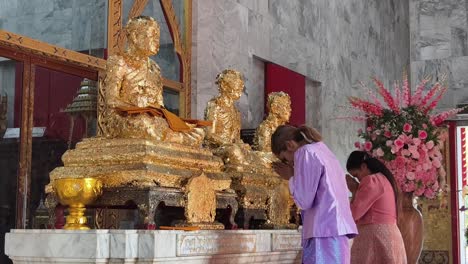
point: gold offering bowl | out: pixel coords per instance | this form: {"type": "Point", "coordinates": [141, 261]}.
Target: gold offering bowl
{"type": "Point", "coordinates": [76, 193]}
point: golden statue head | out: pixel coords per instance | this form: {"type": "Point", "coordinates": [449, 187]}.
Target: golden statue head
{"type": "Point", "coordinates": [230, 83]}
{"type": "Point", "coordinates": [279, 105]}
{"type": "Point", "coordinates": [143, 36]}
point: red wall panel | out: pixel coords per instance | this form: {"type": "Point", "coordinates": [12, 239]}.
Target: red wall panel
{"type": "Point", "coordinates": [281, 79]}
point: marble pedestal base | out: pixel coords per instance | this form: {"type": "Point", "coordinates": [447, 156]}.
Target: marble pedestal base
{"type": "Point", "coordinates": [156, 246]}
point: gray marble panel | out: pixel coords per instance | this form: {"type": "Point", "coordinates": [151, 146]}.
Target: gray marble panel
{"type": "Point", "coordinates": [457, 80]}
{"type": "Point", "coordinates": [333, 43]}
{"type": "Point", "coordinates": [59, 244]}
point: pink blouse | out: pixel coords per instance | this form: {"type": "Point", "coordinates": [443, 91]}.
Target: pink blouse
{"type": "Point", "coordinates": [374, 202]}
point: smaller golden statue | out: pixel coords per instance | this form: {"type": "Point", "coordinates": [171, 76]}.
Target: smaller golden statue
{"type": "Point", "coordinates": [224, 134]}
{"type": "Point", "coordinates": [279, 111]}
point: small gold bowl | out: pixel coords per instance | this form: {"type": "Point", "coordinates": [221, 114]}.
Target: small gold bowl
{"type": "Point", "coordinates": [77, 193]}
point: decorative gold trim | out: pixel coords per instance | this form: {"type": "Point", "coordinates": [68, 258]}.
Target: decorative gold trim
{"type": "Point", "coordinates": [137, 8]}
{"type": "Point", "coordinates": [171, 19]}
{"type": "Point", "coordinates": [183, 51]}
{"type": "Point", "coordinates": [173, 84]}
{"type": "Point", "coordinates": [187, 59]}
{"type": "Point", "coordinates": [21, 42]}
{"type": "Point", "coordinates": [114, 27]}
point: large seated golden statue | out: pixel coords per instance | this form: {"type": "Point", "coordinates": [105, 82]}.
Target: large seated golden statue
{"type": "Point", "coordinates": [133, 92]}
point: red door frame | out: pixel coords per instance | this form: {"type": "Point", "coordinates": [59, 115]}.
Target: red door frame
{"type": "Point", "coordinates": [454, 192]}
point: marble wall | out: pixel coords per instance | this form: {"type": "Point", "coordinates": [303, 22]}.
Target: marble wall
{"type": "Point", "coordinates": [333, 43]}
{"type": "Point", "coordinates": [439, 45]}
{"type": "Point", "coordinates": [73, 24]}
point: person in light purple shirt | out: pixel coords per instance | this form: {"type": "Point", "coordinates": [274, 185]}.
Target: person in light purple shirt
{"type": "Point", "coordinates": [318, 185]}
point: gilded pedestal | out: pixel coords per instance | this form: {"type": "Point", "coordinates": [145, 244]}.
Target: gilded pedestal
{"type": "Point", "coordinates": [148, 173]}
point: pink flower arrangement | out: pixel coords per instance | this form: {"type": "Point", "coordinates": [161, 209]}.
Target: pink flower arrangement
{"type": "Point", "coordinates": [405, 136]}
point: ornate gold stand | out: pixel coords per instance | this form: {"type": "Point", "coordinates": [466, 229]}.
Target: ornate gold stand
{"type": "Point", "coordinates": [263, 197]}
{"type": "Point", "coordinates": [149, 173]}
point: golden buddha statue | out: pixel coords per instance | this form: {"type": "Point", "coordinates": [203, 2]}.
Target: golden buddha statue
{"type": "Point", "coordinates": [133, 92]}
{"type": "Point", "coordinates": [224, 134]}
{"type": "Point", "coordinates": [279, 108]}
{"type": "Point", "coordinates": [279, 111]}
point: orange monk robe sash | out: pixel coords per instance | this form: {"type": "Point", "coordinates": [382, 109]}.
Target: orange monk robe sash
{"type": "Point", "coordinates": [175, 122]}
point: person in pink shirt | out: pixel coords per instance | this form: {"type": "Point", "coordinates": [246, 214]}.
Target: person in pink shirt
{"type": "Point", "coordinates": [374, 208]}
{"type": "Point", "coordinates": [318, 185]}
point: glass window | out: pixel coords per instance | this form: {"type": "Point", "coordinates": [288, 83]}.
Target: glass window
{"type": "Point", "coordinates": [167, 58]}
{"type": "Point", "coordinates": [11, 83]}
{"type": "Point", "coordinates": [79, 25]}
{"type": "Point", "coordinates": [171, 100]}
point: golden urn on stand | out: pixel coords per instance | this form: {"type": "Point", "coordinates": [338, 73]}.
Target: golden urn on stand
{"type": "Point", "coordinates": [77, 193]}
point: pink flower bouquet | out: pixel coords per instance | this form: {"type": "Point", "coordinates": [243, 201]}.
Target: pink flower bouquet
{"type": "Point", "coordinates": [404, 135]}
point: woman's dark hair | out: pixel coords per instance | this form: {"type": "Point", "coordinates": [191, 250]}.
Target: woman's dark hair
{"type": "Point", "coordinates": [285, 133]}
{"type": "Point", "coordinates": [356, 158]}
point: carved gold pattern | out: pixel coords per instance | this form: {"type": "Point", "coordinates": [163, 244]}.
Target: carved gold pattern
{"type": "Point", "coordinates": [77, 193]}
{"type": "Point", "coordinates": [137, 8]}
{"type": "Point", "coordinates": [187, 60]}
{"type": "Point", "coordinates": [114, 27]}
{"type": "Point", "coordinates": [184, 50]}
{"type": "Point", "coordinates": [21, 42]}
{"type": "Point", "coordinates": [137, 162]}
{"type": "Point", "coordinates": [200, 206]}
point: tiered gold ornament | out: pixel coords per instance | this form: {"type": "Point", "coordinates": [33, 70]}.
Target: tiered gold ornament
{"type": "Point", "coordinates": [143, 153]}
{"type": "Point", "coordinates": [262, 194]}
